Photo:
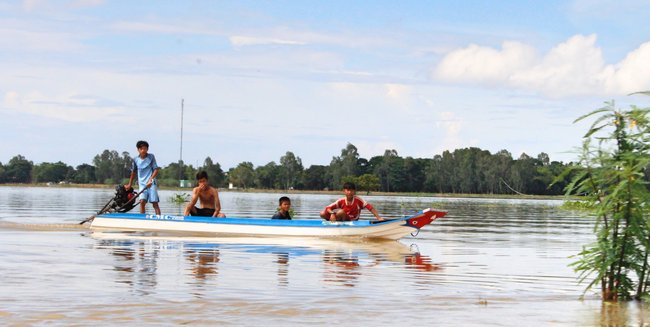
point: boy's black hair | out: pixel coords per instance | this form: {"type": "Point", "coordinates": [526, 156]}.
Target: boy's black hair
{"type": "Point", "coordinates": [349, 186]}
{"type": "Point", "coordinates": [202, 174]}
{"type": "Point", "coordinates": [284, 199]}
{"type": "Point", "coordinates": [141, 144]}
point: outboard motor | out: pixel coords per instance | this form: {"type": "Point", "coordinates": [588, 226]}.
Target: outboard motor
{"type": "Point", "coordinates": [123, 200]}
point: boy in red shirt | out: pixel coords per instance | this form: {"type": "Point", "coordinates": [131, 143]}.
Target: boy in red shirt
{"type": "Point", "coordinates": [349, 207]}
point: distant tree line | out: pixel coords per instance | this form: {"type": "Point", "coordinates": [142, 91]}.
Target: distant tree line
{"type": "Point", "coordinates": [468, 171]}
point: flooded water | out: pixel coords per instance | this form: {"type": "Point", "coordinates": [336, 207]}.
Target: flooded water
{"type": "Point", "coordinates": [488, 263]}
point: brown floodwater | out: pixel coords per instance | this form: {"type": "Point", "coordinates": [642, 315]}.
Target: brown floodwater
{"type": "Point", "coordinates": [490, 262]}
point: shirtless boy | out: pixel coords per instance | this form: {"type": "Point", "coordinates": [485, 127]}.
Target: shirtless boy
{"type": "Point", "coordinates": [209, 196]}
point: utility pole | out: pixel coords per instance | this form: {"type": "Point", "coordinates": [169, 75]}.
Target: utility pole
{"type": "Point", "coordinates": [180, 161]}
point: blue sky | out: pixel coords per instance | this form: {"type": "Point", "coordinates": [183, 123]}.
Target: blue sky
{"type": "Point", "coordinates": [260, 78]}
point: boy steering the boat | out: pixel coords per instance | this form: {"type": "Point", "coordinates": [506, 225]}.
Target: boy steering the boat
{"type": "Point", "coordinates": [349, 207]}
{"type": "Point", "coordinates": [209, 196]}
{"type": "Point", "coordinates": [145, 169]}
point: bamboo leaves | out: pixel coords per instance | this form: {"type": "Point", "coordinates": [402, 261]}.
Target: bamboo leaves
{"type": "Point", "coordinates": [612, 176]}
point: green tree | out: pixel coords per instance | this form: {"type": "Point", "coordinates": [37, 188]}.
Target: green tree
{"type": "Point", "coordinates": [610, 175]}
{"type": "Point", "coordinates": [344, 165]}
{"type": "Point", "coordinates": [363, 167]}
{"type": "Point", "coordinates": [2, 173]}
{"type": "Point", "coordinates": [349, 160]}
{"type": "Point", "coordinates": [168, 175]}
{"type": "Point", "coordinates": [315, 177]}
{"type": "Point", "coordinates": [548, 176]}
{"type": "Point", "coordinates": [215, 173]}
{"type": "Point", "coordinates": [124, 166]}
{"type": "Point", "coordinates": [111, 167]}
{"type": "Point", "coordinates": [84, 174]}
{"type": "Point", "coordinates": [433, 179]}
{"type": "Point", "coordinates": [267, 176]}
{"type": "Point", "coordinates": [291, 170]}
{"type": "Point", "coordinates": [522, 174]}
{"type": "Point", "coordinates": [449, 172]}
{"type": "Point", "coordinates": [470, 163]}
{"type": "Point", "coordinates": [415, 174]}
{"type": "Point", "coordinates": [19, 170]}
{"type": "Point", "coordinates": [397, 173]}
{"type": "Point", "coordinates": [243, 175]}
{"type": "Point", "coordinates": [367, 182]}
{"type": "Point", "coordinates": [51, 172]}
{"type": "Point", "coordinates": [390, 171]}
{"type": "Point", "coordinates": [544, 175]}
{"type": "Point", "coordinates": [499, 171]}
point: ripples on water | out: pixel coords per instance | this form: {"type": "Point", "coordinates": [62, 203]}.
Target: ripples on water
{"type": "Point", "coordinates": [489, 262]}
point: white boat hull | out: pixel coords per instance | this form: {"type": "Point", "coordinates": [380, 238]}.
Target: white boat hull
{"type": "Point", "coordinates": [392, 229]}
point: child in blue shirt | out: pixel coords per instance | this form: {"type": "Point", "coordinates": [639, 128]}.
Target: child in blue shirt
{"type": "Point", "coordinates": [146, 168]}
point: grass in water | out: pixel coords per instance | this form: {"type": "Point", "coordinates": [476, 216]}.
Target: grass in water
{"type": "Point", "coordinates": [179, 198]}
{"type": "Point", "coordinates": [578, 205]}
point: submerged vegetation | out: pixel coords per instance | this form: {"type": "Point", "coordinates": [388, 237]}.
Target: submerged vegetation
{"type": "Point", "coordinates": [612, 174]}
{"type": "Point", "coordinates": [578, 205]}
{"type": "Point", "coordinates": [179, 198]}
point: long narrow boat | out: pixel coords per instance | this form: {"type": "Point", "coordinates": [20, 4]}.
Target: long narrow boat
{"type": "Point", "coordinates": [388, 229]}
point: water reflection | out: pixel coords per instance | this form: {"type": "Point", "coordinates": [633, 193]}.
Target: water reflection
{"type": "Point", "coordinates": [341, 268]}
{"type": "Point", "coordinates": [420, 262]}
{"type": "Point", "coordinates": [203, 262]}
{"type": "Point", "coordinates": [344, 263]}
{"type": "Point", "coordinates": [136, 264]}
{"type": "Point", "coordinates": [624, 314]}
{"type": "Point", "coordinates": [282, 260]}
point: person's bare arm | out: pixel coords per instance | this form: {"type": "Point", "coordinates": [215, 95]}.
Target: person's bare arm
{"type": "Point", "coordinates": [374, 212]}
{"type": "Point", "coordinates": [328, 212]}
{"type": "Point", "coordinates": [155, 173]}
{"type": "Point", "coordinates": [131, 178]}
{"type": "Point", "coordinates": [195, 198]}
{"type": "Point", "coordinates": [217, 203]}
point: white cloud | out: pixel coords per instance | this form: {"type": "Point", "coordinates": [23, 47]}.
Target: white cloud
{"type": "Point", "coordinates": [47, 5]}
{"type": "Point", "coordinates": [397, 91]}
{"type": "Point", "coordinates": [483, 64]}
{"type": "Point", "coordinates": [570, 68]}
{"type": "Point", "coordinates": [370, 148]}
{"type": "Point", "coordinates": [148, 27]}
{"type": "Point", "coordinates": [608, 9]}
{"type": "Point", "coordinates": [70, 108]}
{"type": "Point", "coordinates": [573, 67]}
{"type": "Point", "coordinates": [11, 99]}
{"type": "Point", "coordinates": [30, 5]}
{"type": "Point", "coordinates": [240, 41]}
{"type": "Point", "coordinates": [15, 39]}
{"type": "Point", "coordinates": [632, 74]}
{"type": "Point", "coordinates": [86, 3]}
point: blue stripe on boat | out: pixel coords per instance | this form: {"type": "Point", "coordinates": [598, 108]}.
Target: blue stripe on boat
{"type": "Point", "coordinates": [249, 221]}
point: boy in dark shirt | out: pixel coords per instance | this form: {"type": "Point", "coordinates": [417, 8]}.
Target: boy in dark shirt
{"type": "Point", "coordinates": [283, 210]}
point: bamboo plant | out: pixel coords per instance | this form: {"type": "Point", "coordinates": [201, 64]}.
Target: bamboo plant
{"type": "Point", "coordinates": [612, 176]}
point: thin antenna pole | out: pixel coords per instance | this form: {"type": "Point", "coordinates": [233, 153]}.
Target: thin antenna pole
{"type": "Point", "coordinates": [180, 161]}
